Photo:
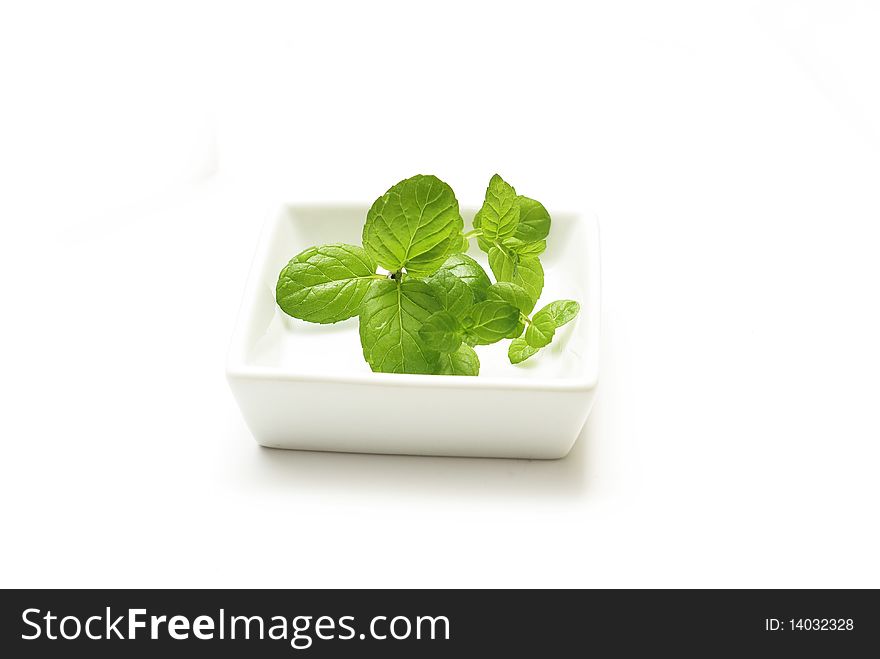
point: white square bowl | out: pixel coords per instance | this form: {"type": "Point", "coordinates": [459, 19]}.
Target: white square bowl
{"type": "Point", "coordinates": [305, 386]}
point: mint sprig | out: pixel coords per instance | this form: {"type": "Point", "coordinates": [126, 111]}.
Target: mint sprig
{"type": "Point", "coordinates": [436, 303]}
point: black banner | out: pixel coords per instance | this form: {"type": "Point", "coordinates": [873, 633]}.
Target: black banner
{"type": "Point", "coordinates": [324, 623]}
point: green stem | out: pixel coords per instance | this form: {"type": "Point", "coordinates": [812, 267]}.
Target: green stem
{"type": "Point", "coordinates": [471, 234]}
{"type": "Point", "coordinates": [524, 318]}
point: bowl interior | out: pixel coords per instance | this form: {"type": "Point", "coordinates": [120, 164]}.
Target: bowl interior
{"type": "Point", "coordinates": [274, 341]}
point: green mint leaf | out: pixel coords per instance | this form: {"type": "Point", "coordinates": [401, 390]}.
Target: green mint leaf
{"type": "Point", "coordinates": [482, 242]}
{"type": "Point", "coordinates": [463, 361]}
{"type": "Point", "coordinates": [562, 311]}
{"type": "Point", "coordinates": [541, 330]}
{"type": "Point", "coordinates": [499, 215]}
{"type": "Point", "coordinates": [453, 293]}
{"type": "Point", "coordinates": [490, 321]}
{"type": "Point", "coordinates": [520, 350]}
{"type": "Point", "coordinates": [545, 323]}
{"type": "Point", "coordinates": [524, 271]}
{"type": "Point", "coordinates": [517, 331]}
{"type": "Point", "coordinates": [512, 294]}
{"type": "Point", "coordinates": [470, 272]}
{"type": "Point", "coordinates": [534, 220]}
{"type": "Point", "coordinates": [503, 263]}
{"type": "Point", "coordinates": [523, 248]}
{"type": "Point", "coordinates": [414, 226]}
{"type": "Point", "coordinates": [516, 296]}
{"type": "Point", "coordinates": [441, 332]}
{"type": "Point", "coordinates": [325, 284]}
{"type": "Point", "coordinates": [392, 313]}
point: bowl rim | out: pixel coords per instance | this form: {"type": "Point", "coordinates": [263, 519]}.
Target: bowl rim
{"type": "Point", "coordinates": [237, 367]}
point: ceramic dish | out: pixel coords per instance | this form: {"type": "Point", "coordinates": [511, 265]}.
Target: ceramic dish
{"type": "Point", "coordinates": [306, 386]}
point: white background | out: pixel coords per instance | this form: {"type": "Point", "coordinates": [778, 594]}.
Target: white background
{"type": "Point", "coordinates": [730, 150]}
